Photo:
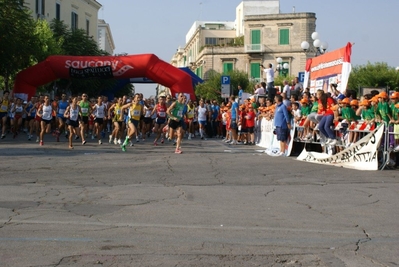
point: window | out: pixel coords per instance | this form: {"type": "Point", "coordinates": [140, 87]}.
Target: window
{"type": "Point", "coordinates": [255, 40]}
{"type": "Point", "coordinates": [87, 26]}
{"type": "Point", "coordinates": [255, 71]}
{"type": "Point", "coordinates": [74, 21]}
{"type": "Point", "coordinates": [58, 11]}
{"type": "Point", "coordinates": [210, 41]}
{"type": "Point", "coordinates": [40, 8]}
{"type": "Point", "coordinates": [227, 67]}
{"type": "Point", "coordinates": [284, 37]}
{"type": "Point", "coordinates": [198, 72]}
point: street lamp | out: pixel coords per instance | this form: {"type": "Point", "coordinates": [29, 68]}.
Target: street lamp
{"type": "Point", "coordinates": [319, 47]}
{"type": "Point", "coordinates": [281, 67]}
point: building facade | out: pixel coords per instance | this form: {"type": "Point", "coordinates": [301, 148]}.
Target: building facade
{"type": "Point", "coordinates": [254, 40]}
{"type": "Point", "coordinates": [77, 14]}
{"type": "Point", "coordinates": [105, 40]}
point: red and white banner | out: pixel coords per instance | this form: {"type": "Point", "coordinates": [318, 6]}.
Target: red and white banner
{"type": "Point", "coordinates": [332, 67]}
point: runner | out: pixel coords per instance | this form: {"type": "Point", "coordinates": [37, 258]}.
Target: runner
{"type": "Point", "coordinates": [30, 110]}
{"type": "Point", "coordinates": [146, 126]}
{"type": "Point", "coordinates": [45, 113]}
{"type": "Point", "coordinates": [16, 121]}
{"type": "Point", "coordinates": [190, 118]}
{"type": "Point", "coordinates": [160, 121]}
{"type": "Point", "coordinates": [85, 110]}
{"type": "Point", "coordinates": [4, 107]}
{"type": "Point", "coordinates": [117, 120]}
{"type": "Point", "coordinates": [60, 107]}
{"type": "Point", "coordinates": [72, 115]}
{"type": "Point", "coordinates": [202, 119]}
{"type": "Point", "coordinates": [99, 114]}
{"type": "Point", "coordinates": [175, 113]}
{"type": "Point", "coordinates": [136, 109]}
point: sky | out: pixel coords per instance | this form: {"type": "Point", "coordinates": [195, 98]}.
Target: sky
{"type": "Point", "coordinates": [160, 26]}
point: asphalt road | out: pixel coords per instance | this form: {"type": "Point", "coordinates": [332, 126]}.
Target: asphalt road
{"type": "Point", "coordinates": [213, 205]}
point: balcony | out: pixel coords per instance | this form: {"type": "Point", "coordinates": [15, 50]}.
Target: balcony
{"type": "Point", "coordinates": [254, 48]}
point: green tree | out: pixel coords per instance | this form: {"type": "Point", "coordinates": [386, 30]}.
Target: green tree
{"type": "Point", "coordinates": [374, 75]}
{"type": "Point", "coordinates": [211, 88]}
{"type": "Point", "coordinates": [18, 39]}
{"type": "Point", "coordinates": [49, 45]}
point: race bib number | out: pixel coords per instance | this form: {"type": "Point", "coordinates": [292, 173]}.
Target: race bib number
{"type": "Point", "coordinates": [118, 112]}
{"type": "Point", "coordinates": [162, 114]}
{"type": "Point", "coordinates": [3, 107]}
{"type": "Point", "coordinates": [180, 113]}
{"type": "Point", "coordinates": [61, 111]}
{"type": "Point", "coordinates": [136, 113]}
{"type": "Point", "coordinates": [85, 110]}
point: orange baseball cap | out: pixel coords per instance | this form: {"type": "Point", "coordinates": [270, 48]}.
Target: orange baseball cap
{"type": "Point", "coordinates": [364, 103]}
{"type": "Point", "coordinates": [345, 101]}
{"type": "Point", "coordinates": [383, 95]}
{"type": "Point", "coordinates": [395, 95]}
{"type": "Point", "coordinates": [354, 102]}
{"type": "Point", "coordinates": [374, 99]}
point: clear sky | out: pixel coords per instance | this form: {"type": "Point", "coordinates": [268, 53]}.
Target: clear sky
{"type": "Point", "coordinates": [160, 26]}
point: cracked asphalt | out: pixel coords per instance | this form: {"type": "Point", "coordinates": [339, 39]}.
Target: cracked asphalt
{"type": "Point", "coordinates": [213, 205]}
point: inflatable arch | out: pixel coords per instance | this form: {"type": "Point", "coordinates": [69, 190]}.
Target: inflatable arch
{"type": "Point", "coordinates": [110, 92]}
{"type": "Point", "coordinates": [117, 67]}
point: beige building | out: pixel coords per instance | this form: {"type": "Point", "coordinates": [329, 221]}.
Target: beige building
{"type": "Point", "coordinates": [78, 14]}
{"type": "Point", "coordinates": [105, 40]}
{"type": "Point", "coordinates": [264, 38]}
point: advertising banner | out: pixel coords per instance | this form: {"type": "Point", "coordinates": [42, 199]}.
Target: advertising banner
{"type": "Point", "coordinates": [328, 68]}
{"type": "Point", "coordinates": [362, 155]}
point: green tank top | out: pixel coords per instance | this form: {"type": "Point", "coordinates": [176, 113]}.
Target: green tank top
{"type": "Point", "coordinates": [178, 110]}
{"type": "Point", "coordinates": [84, 106]}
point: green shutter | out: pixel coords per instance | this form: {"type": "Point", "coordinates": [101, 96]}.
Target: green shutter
{"type": "Point", "coordinates": [255, 70]}
{"type": "Point", "coordinates": [255, 37]}
{"type": "Point", "coordinates": [284, 37]}
{"type": "Point", "coordinates": [198, 72]}
{"type": "Point", "coordinates": [227, 67]}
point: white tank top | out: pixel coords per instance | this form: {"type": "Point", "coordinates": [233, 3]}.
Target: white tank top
{"type": "Point", "coordinates": [99, 111]}
{"type": "Point", "coordinates": [47, 110]}
{"type": "Point", "coordinates": [73, 113]}
{"type": "Point", "coordinates": [202, 113]}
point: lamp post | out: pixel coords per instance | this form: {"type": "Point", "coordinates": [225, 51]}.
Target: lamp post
{"type": "Point", "coordinates": [282, 67]}
{"type": "Point", "coordinates": [319, 47]}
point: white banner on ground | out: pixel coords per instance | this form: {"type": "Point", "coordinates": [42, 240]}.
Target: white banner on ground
{"type": "Point", "coordinates": [361, 156]}
{"type": "Point", "coordinates": [268, 139]}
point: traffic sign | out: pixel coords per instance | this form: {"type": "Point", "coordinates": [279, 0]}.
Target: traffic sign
{"type": "Point", "coordinates": [225, 81]}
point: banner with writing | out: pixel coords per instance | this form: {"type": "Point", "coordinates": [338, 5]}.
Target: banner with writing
{"type": "Point", "coordinates": [268, 139]}
{"type": "Point", "coordinates": [361, 156]}
{"type": "Point", "coordinates": [91, 72]}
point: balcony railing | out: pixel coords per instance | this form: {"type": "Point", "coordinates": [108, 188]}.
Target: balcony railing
{"type": "Point", "coordinates": [254, 48]}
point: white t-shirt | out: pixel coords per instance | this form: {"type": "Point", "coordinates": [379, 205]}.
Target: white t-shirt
{"type": "Point", "coordinates": [202, 113]}
{"type": "Point", "coordinates": [260, 91]}
{"type": "Point", "coordinates": [287, 91]}
{"type": "Point", "coordinates": [297, 113]}
{"type": "Point", "coordinates": [269, 75]}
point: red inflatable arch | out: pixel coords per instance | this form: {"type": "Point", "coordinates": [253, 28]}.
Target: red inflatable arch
{"type": "Point", "coordinates": [117, 67]}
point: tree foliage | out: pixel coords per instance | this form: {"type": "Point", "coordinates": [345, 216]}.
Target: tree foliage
{"type": "Point", "coordinates": [19, 42]}
{"type": "Point", "coordinates": [374, 75]}
{"type": "Point", "coordinates": [211, 88]}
